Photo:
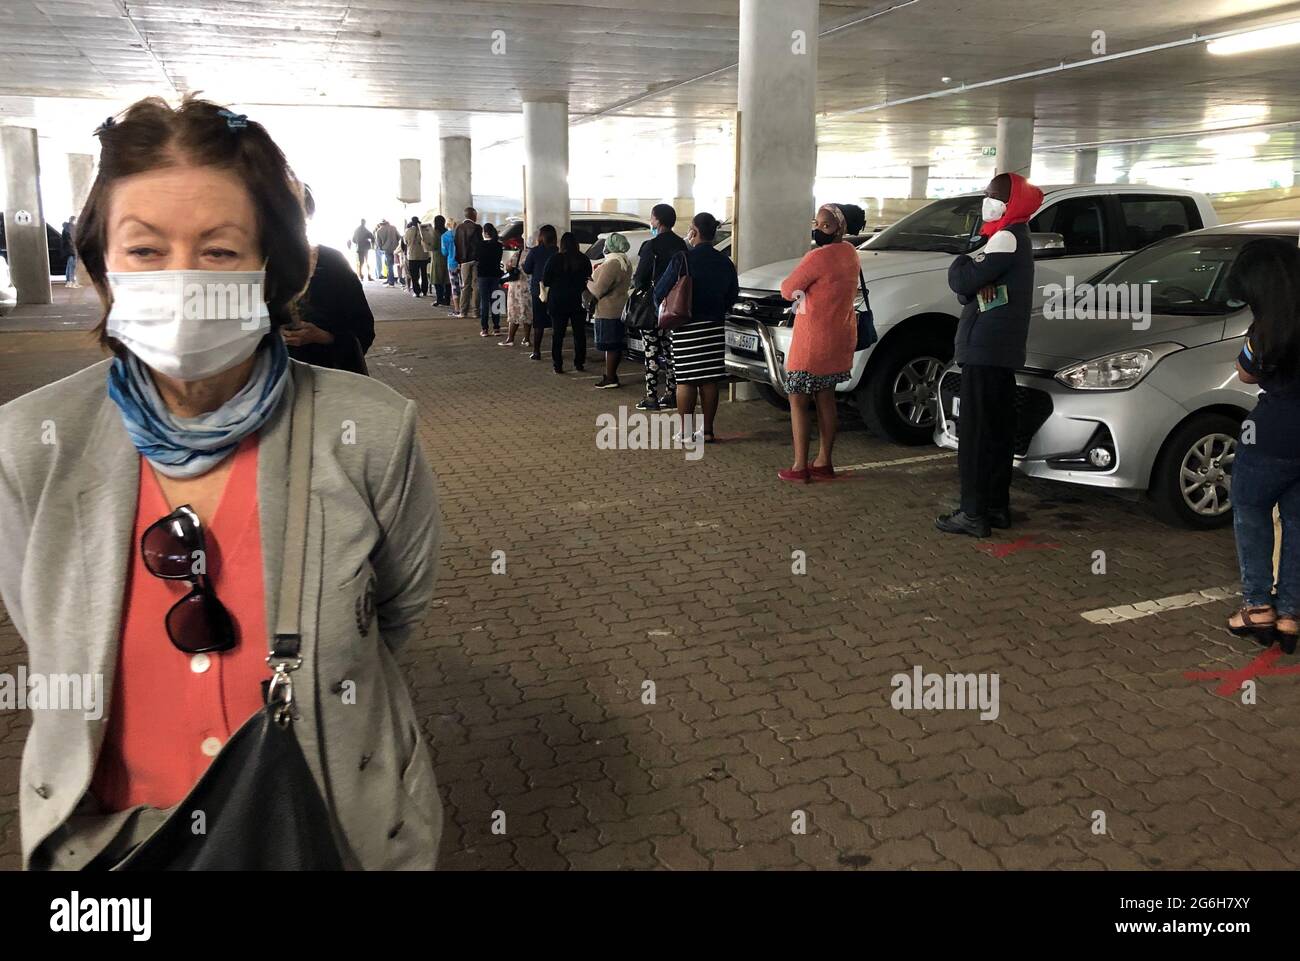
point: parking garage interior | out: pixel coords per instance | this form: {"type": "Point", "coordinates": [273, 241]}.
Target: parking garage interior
{"type": "Point", "coordinates": [641, 660]}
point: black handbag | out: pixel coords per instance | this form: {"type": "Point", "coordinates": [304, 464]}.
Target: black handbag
{"type": "Point", "coordinates": [258, 803]}
{"type": "Point", "coordinates": [866, 322]}
{"type": "Point", "coordinates": [639, 313]}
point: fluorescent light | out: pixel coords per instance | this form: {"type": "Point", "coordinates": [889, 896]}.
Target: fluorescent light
{"type": "Point", "coordinates": [1233, 141]}
{"type": "Point", "coordinates": [1282, 35]}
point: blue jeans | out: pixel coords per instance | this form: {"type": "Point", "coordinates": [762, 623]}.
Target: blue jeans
{"type": "Point", "coordinates": [1259, 483]}
{"type": "Point", "coordinates": [379, 264]}
{"type": "Point", "coordinates": [70, 270]}
{"type": "Point", "coordinates": [488, 287]}
{"type": "Point", "coordinates": [388, 264]}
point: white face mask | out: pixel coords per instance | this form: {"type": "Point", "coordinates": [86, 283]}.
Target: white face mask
{"type": "Point", "coordinates": [189, 324]}
{"type": "Point", "coordinates": [993, 209]}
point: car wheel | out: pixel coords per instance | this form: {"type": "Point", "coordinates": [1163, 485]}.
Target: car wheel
{"type": "Point", "coordinates": [896, 399]}
{"type": "Point", "coordinates": [1191, 485]}
{"type": "Point", "coordinates": [773, 396]}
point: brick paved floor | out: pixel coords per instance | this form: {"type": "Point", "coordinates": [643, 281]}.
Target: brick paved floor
{"type": "Point", "coordinates": [773, 689]}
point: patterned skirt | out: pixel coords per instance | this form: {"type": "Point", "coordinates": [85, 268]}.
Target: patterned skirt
{"type": "Point", "coordinates": [802, 382]}
{"type": "Point", "coordinates": [699, 351]}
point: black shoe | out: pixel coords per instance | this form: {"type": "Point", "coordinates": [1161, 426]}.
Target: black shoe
{"type": "Point", "coordinates": [605, 383]}
{"type": "Point", "coordinates": [959, 522]}
{"type": "Point", "coordinates": [648, 404]}
{"type": "Point", "coordinates": [558, 370]}
{"type": "Point", "coordinates": [667, 401]}
{"type": "Point", "coordinates": [534, 356]}
{"type": "Point", "coordinates": [579, 368]}
{"type": "Point", "coordinates": [999, 518]}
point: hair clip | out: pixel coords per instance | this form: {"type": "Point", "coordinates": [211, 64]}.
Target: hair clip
{"type": "Point", "coordinates": [235, 121]}
{"type": "Point", "coordinates": [108, 122]}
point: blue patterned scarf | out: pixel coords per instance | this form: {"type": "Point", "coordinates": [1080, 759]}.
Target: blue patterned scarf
{"type": "Point", "coordinates": [191, 446]}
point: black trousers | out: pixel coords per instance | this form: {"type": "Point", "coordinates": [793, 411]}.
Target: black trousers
{"type": "Point", "coordinates": [987, 446]}
{"type": "Point", "coordinates": [443, 292]}
{"type": "Point", "coordinates": [419, 271]}
{"type": "Point", "coordinates": [562, 317]}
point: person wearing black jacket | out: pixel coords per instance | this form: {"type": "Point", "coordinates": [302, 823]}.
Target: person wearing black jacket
{"type": "Point", "coordinates": [535, 267]}
{"type": "Point", "coordinates": [996, 287]}
{"type": "Point", "coordinates": [652, 260]}
{"type": "Point", "coordinates": [335, 326]}
{"type": "Point", "coordinates": [489, 272]}
{"type": "Point", "coordinates": [565, 278]}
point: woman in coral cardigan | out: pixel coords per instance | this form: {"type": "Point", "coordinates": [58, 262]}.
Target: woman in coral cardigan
{"type": "Point", "coordinates": [823, 288]}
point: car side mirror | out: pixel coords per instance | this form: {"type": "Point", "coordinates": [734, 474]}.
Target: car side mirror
{"type": "Point", "coordinates": [1047, 245]}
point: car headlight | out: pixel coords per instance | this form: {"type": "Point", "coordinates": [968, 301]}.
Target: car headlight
{"type": "Point", "coordinates": [744, 307]}
{"type": "Point", "coordinates": [1118, 371]}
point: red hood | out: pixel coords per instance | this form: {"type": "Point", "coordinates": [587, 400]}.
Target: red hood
{"type": "Point", "coordinates": [1024, 203]}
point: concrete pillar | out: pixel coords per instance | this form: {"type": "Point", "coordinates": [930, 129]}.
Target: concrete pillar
{"type": "Point", "coordinates": [546, 159]}
{"type": "Point", "coordinates": [684, 201]}
{"type": "Point", "coordinates": [29, 258]}
{"type": "Point", "coordinates": [920, 181]}
{"type": "Point", "coordinates": [777, 90]}
{"type": "Point", "coordinates": [1129, 155]}
{"type": "Point", "coordinates": [457, 190]}
{"type": "Point", "coordinates": [81, 174]}
{"type": "Point", "coordinates": [1015, 145]}
{"type": "Point", "coordinates": [1085, 167]}
{"type": "Point", "coordinates": [609, 205]}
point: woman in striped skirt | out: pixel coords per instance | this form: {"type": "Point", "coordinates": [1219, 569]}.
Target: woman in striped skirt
{"type": "Point", "coordinates": [698, 347]}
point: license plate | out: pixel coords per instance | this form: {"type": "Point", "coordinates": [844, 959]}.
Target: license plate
{"type": "Point", "coordinates": [636, 345]}
{"type": "Point", "coordinates": [742, 341]}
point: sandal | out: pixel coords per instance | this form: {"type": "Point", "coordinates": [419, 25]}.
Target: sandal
{"type": "Point", "coordinates": [1288, 631]}
{"type": "Point", "coordinates": [1263, 631]}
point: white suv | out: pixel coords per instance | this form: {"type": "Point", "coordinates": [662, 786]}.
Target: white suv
{"type": "Point", "coordinates": [1078, 230]}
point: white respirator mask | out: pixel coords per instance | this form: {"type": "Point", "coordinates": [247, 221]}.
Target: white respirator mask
{"type": "Point", "coordinates": [189, 324]}
{"type": "Point", "coordinates": [993, 209]}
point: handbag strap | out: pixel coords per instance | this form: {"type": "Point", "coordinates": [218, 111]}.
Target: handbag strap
{"type": "Point", "coordinates": [862, 283]}
{"type": "Point", "coordinates": [286, 641]}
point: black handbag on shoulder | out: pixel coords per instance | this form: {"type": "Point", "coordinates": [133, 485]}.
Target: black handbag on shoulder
{"type": "Point", "coordinates": [639, 313]}
{"type": "Point", "coordinates": [258, 803]}
{"type": "Point", "coordinates": [866, 322]}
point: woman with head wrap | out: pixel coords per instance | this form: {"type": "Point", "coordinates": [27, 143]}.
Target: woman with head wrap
{"type": "Point", "coordinates": [823, 288]}
{"type": "Point", "coordinates": [608, 290]}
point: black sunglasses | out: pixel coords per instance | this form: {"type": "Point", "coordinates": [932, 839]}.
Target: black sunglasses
{"type": "Point", "coordinates": [198, 622]}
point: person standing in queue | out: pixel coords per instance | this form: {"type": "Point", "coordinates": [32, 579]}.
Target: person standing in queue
{"type": "Point", "coordinates": [698, 347]}
{"type": "Point", "coordinates": [821, 350]}
{"type": "Point", "coordinates": [362, 240]}
{"type": "Point", "coordinates": [653, 259]}
{"type": "Point", "coordinates": [453, 265]}
{"type": "Point", "coordinates": [535, 266]}
{"type": "Point", "coordinates": [519, 299]}
{"type": "Point", "coordinates": [488, 269]}
{"type": "Point", "coordinates": [565, 278]}
{"type": "Point", "coordinates": [608, 289]}
{"type": "Point", "coordinates": [1266, 467]}
{"type": "Point", "coordinates": [468, 235]}
{"type": "Point", "coordinates": [334, 326]}
{"type": "Point", "coordinates": [417, 258]}
{"type": "Point", "coordinates": [387, 240]}
{"type": "Point", "coordinates": [996, 287]}
{"type": "Point", "coordinates": [439, 276]}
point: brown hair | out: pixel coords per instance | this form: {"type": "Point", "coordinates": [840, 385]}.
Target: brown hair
{"type": "Point", "coordinates": [151, 135]}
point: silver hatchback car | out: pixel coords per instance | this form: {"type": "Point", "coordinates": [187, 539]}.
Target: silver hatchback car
{"type": "Point", "coordinates": [1149, 404]}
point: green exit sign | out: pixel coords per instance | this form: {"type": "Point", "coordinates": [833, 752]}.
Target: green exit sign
{"type": "Point", "coordinates": [989, 152]}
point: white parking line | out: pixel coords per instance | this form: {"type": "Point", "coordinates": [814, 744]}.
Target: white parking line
{"type": "Point", "coordinates": [1131, 612]}
{"type": "Point", "coordinates": [899, 462]}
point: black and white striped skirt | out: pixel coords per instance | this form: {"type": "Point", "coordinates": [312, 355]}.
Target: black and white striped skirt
{"type": "Point", "coordinates": [699, 351]}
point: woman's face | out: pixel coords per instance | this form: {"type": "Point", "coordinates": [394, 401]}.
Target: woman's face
{"type": "Point", "coordinates": [182, 218]}
{"type": "Point", "coordinates": [826, 223]}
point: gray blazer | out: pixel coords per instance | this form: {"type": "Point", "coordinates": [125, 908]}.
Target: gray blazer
{"type": "Point", "coordinates": [67, 508]}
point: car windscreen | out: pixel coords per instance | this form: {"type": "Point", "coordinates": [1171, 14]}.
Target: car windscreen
{"type": "Point", "coordinates": [1184, 275]}
{"type": "Point", "coordinates": [945, 226]}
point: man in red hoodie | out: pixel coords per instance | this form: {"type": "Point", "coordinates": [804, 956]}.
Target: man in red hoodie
{"type": "Point", "coordinates": [996, 287]}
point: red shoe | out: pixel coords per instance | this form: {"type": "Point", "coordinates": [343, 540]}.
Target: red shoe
{"type": "Point", "coordinates": [795, 476]}
{"type": "Point", "coordinates": [822, 473]}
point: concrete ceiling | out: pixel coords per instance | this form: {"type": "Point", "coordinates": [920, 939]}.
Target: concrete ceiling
{"type": "Point", "coordinates": [437, 65]}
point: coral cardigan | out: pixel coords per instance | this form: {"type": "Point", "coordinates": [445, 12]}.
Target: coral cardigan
{"type": "Point", "coordinates": [825, 327]}
{"type": "Point", "coordinates": [171, 712]}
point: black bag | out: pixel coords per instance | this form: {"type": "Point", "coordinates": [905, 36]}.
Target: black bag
{"type": "Point", "coordinates": [640, 313]}
{"type": "Point", "coordinates": [866, 322]}
{"type": "Point", "coordinates": [261, 809]}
